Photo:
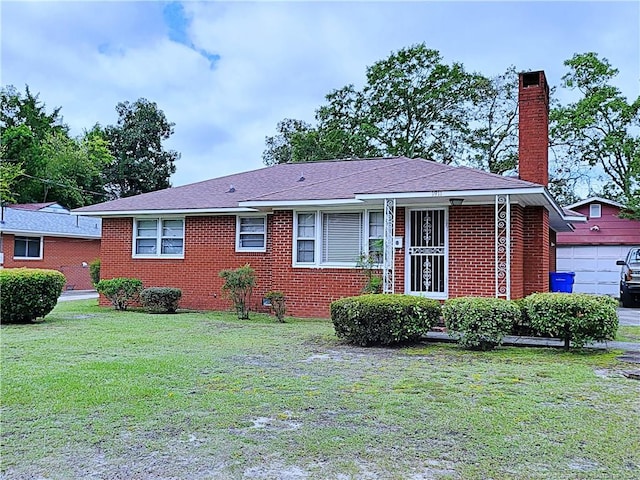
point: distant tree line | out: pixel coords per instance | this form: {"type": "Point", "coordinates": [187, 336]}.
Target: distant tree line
{"type": "Point", "coordinates": [41, 162]}
{"type": "Point", "coordinates": [413, 104]}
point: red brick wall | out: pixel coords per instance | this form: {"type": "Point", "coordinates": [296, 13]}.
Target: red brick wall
{"type": "Point", "coordinates": [59, 253]}
{"type": "Point", "coordinates": [553, 240]}
{"type": "Point", "coordinates": [210, 248]}
{"type": "Point", "coordinates": [533, 129]}
{"type": "Point", "coordinates": [536, 255]}
{"type": "Point", "coordinates": [517, 251]}
{"type": "Point", "coordinates": [472, 251]}
{"type": "Point", "coordinates": [400, 252]}
{"type": "Point", "coordinates": [309, 291]}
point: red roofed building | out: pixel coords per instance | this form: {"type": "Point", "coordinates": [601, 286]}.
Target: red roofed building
{"type": "Point", "coordinates": [592, 249]}
{"type": "Point", "coordinates": [446, 231]}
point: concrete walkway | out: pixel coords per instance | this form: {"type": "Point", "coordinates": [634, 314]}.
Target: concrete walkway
{"type": "Point", "coordinates": [69, 295]}
{"type": "Point", "coordinates": [545, 342]}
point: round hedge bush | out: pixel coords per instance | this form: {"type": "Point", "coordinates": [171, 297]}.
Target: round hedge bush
{"type": "Point", "coordinates": [121, 291]}
{"type": "Point", "coordinates": [479, 323]}
{"type": "Point", "coordinates": [160, 299]}
{"type": "Point", "coordinates": [577, 318]}
{"type": "Point", "coordinates": [28, 293]}
{"type": "Point", "coordinates": [384, 319]}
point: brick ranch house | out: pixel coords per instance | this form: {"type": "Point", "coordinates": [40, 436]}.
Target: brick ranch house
{"type": "Point", "coordinates": [447, 231]}
{"type": "Point", "coordinates": [46, 235]}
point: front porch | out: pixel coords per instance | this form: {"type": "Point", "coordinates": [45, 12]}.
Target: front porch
{"type": "Point", "coordinates": [501, 249]}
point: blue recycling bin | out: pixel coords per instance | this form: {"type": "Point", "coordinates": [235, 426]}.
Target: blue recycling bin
{"type": "Point", "coordinates": [561, 281]}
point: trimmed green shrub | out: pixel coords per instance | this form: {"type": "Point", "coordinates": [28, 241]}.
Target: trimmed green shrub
{"type": "Point", "coordinates": [384, 319]}
{"type": "Point", "coordinates": [521, 327]}
{"type": "Point", "coordinates": [277, 304]}
{"type": "Point", "coordinates": [121, 292]}
{"type": "Point", "coordinates": [94, 271]}
{"type": "Point", "coordinates": [577, 318]}
{"type": "Point", "coordinates": [160, 299]}
{"type": "Point", "coordinates": [28, 293]}
{"type": "Point", "coordinates": [369, 264]}
{"type": "Point", "coordinates": [238, 286]}
{"type": "Point", "coordinates": [479, 323]}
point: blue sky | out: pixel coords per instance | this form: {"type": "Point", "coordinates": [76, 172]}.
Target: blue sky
{"type": "Point", "coordinates": [227, 72]}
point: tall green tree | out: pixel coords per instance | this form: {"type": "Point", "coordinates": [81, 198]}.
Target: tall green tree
{"type": "Point", "coordinates": [40, 161]}
{"type": "Point", "coordinates": [600, 129]}
{"type": "Point", "coordinates": [493, 133]}
{"type": "Point", "coordinates": [72, 173]}
{"type": "Point", "coordinates": [24, 125]}
{"type": "Point", "coordinates": [412, 104]}
{"type": "Point", "coordinates": [141, 163]}
{"type": "Point", "coordinates": [280, 147]}
{"type": "Point", "coordinates": [26, 109]}
{"type": "Point", "coordinates": [9, 173]}
{"type": "Point", "coordinates": [416, 105]}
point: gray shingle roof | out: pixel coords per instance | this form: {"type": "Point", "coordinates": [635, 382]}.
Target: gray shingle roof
{"type": "Point", "coordinates": [26, 222]}
{"type": "Point", "coordinates": [322, 181]}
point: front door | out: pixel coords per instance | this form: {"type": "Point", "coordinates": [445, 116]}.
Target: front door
{"type": "Point", "coordinates": [427, 253]}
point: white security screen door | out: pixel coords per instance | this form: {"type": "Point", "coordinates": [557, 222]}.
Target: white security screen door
{"type": "Point", "coordinates": [427, 253]}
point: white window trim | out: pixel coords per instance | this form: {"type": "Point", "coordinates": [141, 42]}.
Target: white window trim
{"type": "Point", "coordinates": [250, 249]}
{"type": "Point", "coordinates": [407, 271]}
{"type": "Point", "coordinates": [158, 237]}
{"type": "Point", "coordinates": [367, 235]}
{"type": "Point", "coordinates": [316, 251]}
{"type": "Point", "coordinates": [29, 258]}
{"type": "Point", "coordinates": [591, 209]}
{"type": "Point", "coordinates": [318, 238]}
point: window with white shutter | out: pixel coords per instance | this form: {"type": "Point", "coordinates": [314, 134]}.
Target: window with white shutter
{"type": "Point", "coordinates": [341, 237]}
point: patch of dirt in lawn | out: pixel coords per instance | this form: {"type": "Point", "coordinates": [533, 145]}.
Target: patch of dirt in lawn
{"type": "Point", "coordinates": [136, 464]}
{"type": "Point", "coordinates": [582, 465]}
{"type": "Point", "coordinates": [276, 470]}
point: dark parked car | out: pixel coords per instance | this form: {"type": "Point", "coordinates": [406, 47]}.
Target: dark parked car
{"type": "Point", "coordinates": [630, 278]}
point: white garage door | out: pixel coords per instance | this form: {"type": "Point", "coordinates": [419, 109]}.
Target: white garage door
{"type": "Point", "coordinates": [595, 267]}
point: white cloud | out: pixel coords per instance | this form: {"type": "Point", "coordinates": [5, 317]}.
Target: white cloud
{"type": "Point", "coordinates": [278, 59]}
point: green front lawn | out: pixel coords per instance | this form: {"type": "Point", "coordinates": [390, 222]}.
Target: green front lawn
{"type": "Point", "coordinates": [94, 393]}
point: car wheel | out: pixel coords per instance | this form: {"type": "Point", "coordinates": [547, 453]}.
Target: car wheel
{"type": "Point", "coordinates": [625, 297]}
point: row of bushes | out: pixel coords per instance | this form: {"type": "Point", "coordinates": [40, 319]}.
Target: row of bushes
{"type": "Point", "coordinates": [27, 294]}
{"type": "Point", "coordinates": [122, 292]}
{"type": "Point", "coordinates": [475, 323]}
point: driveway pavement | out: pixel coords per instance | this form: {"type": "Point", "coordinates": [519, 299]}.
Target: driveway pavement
{"type": "Point", "coordinates": [629, 317]}
{"type": "Point", "coordinates": [68, 295]}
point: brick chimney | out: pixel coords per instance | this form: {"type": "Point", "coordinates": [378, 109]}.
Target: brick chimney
{"type": "Point", "coordinates": [533, 131]}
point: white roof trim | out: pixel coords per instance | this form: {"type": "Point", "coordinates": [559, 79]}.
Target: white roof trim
{"type": "Point", "coordinates": [572, 218]}
{"type": "Point", "coordinates": [182, 211]}
{"type": "Point", "coordinates": [595, 199]}
{"type": "Point", "coordinates": [450, 193]}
